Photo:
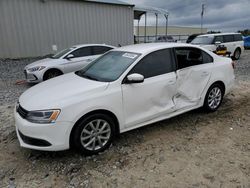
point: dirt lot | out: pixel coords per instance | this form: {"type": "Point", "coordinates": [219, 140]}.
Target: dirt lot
{"type": "Point", "coordinates": [195, 149]}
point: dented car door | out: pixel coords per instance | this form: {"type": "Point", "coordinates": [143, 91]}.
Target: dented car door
{"type": "Point", "coordinates": [193, 74]}
{"type": "Point", "coordinates": [153, 97]}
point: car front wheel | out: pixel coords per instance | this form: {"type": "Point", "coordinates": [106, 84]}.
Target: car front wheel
{"type": "Point", "coordinates": [51, 74]}
{"type": "Point", "coordinates": [93, 134]}
{"type": "Point", "coordinates": [213, 97]}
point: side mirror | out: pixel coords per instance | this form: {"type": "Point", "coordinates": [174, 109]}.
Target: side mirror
{"type": "Point", "coordinates": [70, 56]}
{"type": "Point", "coordinates": [217, 43]}
{"type": "Point", "coordinates": [134, 78]}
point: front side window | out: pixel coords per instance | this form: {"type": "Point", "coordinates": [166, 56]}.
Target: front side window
{"type": "Point", "coordinates": [154, 64]}
{"type": "Point", "coordinates": [203, 40]}
{"type": "Point", "coordinates": [108, 67]}
{"type": "Point", "coordinates": [97, 50]}
{"type": "Point", "coordinates": [187, 57]}
{"type": "Point", "coordinates": [81, 52]}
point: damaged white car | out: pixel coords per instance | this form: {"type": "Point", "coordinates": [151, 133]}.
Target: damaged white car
{"type": "Point", "coordinates": [126, 88]}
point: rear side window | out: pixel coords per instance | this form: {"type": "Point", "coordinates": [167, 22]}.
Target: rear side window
{"type": "Point", "coordinates": [155, 63]}
{"type": "Point", "coordinates": [187, 57]}
{"type": "Point", "coordinates": [228, 38]}
{"type": "Point", "coordinates": [207, 58]}
{"type": "Point", "coordinates": [238, 37]}
{"type": "Point", "coordinates": [100, 49]}
{"type": "Point", "coordinates": [81, 52]}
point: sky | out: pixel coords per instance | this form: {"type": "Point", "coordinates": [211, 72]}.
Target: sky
{"type": "Point", "coordinates": [219, 15]}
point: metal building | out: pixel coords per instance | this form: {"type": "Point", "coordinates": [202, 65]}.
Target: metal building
{"type": "Point", "coordinates": [40, 27]}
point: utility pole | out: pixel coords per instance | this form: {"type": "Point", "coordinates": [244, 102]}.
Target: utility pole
{"type": "Point", "coordinates": [202, 14]}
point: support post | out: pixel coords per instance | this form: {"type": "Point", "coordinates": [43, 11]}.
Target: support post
{"type": "Point", "coordinates": [156, 26]}
{"type": "Point", "coordinates": [202, 14]}
{"type": "Point", "coordinates": [138, 31]}
{"type": "Point", "coordinates": [166, 16]}
{"type": "Point", "coordinates": [145, 28]}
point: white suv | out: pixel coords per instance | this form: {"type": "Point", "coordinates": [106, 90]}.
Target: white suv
{"type": "Point", "coordinates": [232, 41]}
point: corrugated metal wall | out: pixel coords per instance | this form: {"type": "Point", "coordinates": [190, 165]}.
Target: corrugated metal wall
{"type": "Point", "coordinates": [31, 27]}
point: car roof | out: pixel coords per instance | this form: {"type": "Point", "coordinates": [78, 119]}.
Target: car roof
{"type": "Point", "coordinates": [218, 34]}
{"type": "Point", "coordinates": [149, 47]}
{"type": "Point", "coordinates": [85, 45]}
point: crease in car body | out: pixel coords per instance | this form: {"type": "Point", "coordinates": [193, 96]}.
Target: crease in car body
{"type": "Point", "coordinates": [153, 104]}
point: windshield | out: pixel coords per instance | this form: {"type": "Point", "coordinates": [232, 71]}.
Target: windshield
{"type": "Point", "coordinates": [62, 53]}
{"type": "Point", "coordinates": [203, 40]}
{"type": "Point", "coordinates": [108, 67]}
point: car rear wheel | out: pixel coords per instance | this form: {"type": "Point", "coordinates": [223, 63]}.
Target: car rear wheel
{"type": "Point", "coordinates": [213, 98]}
{"type": "Point", "coordinates": [51, 74]}
{"type": "Point", "coordinates": [237, 54]}
{"type": "Point", "coordinates": [93, 134]}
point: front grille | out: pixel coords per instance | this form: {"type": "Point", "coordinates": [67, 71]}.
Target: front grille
{"type": "Point", "coordinates": [34, 141]}
{"type": "Point", "coordinates": [21, 111]}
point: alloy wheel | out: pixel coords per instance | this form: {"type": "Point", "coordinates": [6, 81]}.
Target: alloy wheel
{"type": "Point", "coordinates": [95, 135]}
{"type": "Point", "coordinates": [214, 98]}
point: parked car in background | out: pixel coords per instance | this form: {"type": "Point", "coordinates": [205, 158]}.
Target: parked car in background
{"type": "Point", "coordinates": [192, 37]}
{"type": "Point", "coordinates": [247, 42]}
{"type": "Point", "coordinates": [68, 60]}
{"type": "Point", "coordinates": [232, 41]}
{"type": "Point", "coordinates": [165, 39]}
{"type": "Point", "coordinates": [124, 89]}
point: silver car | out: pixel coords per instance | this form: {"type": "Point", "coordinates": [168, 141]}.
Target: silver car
{"type": "Point", "coordinates": [68, 60]}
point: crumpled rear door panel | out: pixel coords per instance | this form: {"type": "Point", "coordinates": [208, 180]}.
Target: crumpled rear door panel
{"type": "Point", "coordinates": [191, 83]}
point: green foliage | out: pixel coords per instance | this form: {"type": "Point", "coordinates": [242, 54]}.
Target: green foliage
{"type": "Point", "coordinates": [245, 32]}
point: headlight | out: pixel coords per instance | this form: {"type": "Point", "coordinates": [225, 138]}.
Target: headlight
{"type": "Point", "coordinates": [38, 68]}
{"type": "Point", "coordinates": [43, 116]}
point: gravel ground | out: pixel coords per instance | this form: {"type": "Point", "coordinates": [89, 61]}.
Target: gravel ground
{"type": "Point", "coordinates": [195, 149]}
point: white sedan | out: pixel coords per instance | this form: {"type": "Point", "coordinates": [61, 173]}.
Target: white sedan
{"type": "Point", "coordinates": [68, 60]}
{"type": "Point", "coordinates": [126, 88]}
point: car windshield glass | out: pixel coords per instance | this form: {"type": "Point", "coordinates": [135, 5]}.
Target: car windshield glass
{"type": "Point", "coordinates": [108, 67]}
{"type": "Point", "coordinates": [203, 40]}
{"type": "Point", "coordinates": [62, 53]}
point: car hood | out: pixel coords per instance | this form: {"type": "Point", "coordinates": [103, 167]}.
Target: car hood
{"type": "Point", "coordinates": [44, 62]}
{"type": "Point", "coordinates": [58, 91]}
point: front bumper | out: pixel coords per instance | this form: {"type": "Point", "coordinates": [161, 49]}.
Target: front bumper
{"type": "Point", "coordinates": [33, 77]}
{"type": "Point", "coordinates": [46, 137]}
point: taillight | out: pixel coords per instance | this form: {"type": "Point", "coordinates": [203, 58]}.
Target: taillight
{"type": "Point", "coordinates": [233, 64]}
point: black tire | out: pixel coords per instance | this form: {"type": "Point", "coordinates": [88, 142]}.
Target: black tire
{"type": "Point", "coordinates": [51, 74]}
{"type": "Point", "coordinates": [208, 104]}
{"type": "Point", "coordinates": [79, 132]}
{"type": "Point", "coordinates": [237, 54]}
